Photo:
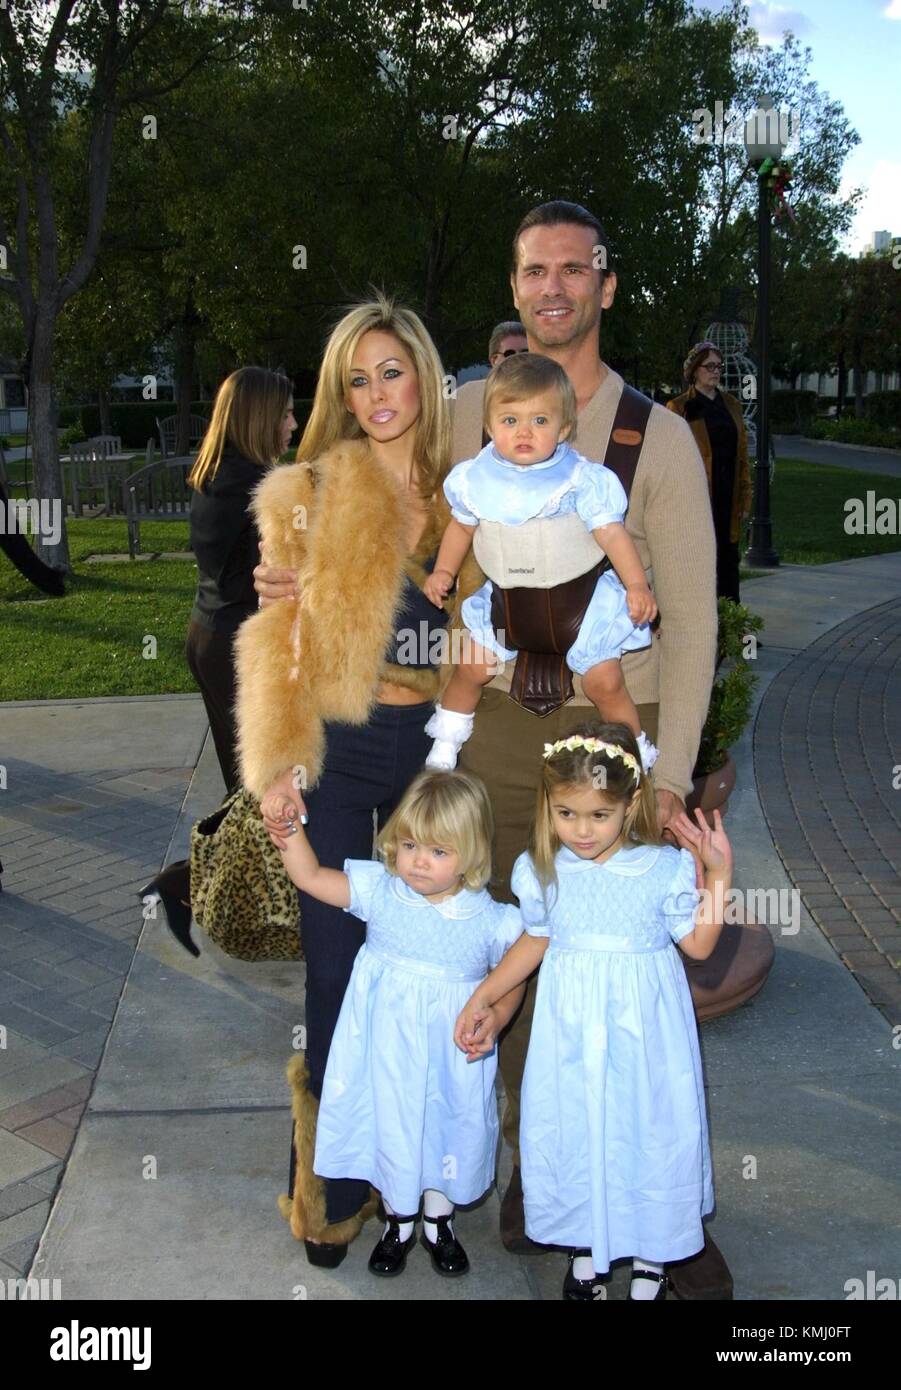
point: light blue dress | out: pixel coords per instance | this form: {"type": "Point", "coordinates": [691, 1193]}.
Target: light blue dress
{"type": "Point", "coordinates": [401, 1107]}
{"type": "Point", "coordinates": [490, 488]}
{"type": "Point", "coordinates": [615, 1151]}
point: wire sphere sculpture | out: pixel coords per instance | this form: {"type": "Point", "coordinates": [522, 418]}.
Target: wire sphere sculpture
{"type": "Point", "coordinates": [739, 376]}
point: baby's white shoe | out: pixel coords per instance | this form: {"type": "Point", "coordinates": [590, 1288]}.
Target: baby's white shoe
{"type": "Point", "coordinates": [450, 730]}
{"type": "Point", "coordinates": [649, 754]}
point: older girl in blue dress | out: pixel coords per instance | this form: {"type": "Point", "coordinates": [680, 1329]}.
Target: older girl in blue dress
{"type": "Point", "coordinates": [615, 1153]}
{"type": "Point", "coordinates": [400, 1108]}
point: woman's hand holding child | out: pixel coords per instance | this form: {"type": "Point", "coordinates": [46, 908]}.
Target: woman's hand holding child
{"type": "Point", "coordinates": [282, 807]}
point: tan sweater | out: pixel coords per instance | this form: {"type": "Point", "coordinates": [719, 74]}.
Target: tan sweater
{"type": "Point", "coordinates": [669, 520]}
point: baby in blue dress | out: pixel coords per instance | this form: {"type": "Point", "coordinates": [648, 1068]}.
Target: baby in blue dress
{"type": "Point", "coordinates": [613, 1129]}
{"type": "Point", "coordinates": [400, 1108]}
{"type": "Point", "coordinates": [515, 501]}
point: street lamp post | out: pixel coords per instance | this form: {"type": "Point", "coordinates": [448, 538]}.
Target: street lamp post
{"type": "Point", "coordinates": [763, 142]}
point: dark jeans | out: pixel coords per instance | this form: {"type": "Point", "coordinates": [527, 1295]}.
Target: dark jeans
{"type": "Point", "coordinates": [210, 656]}
{"type": "Point", "coordinates": [367, 769]}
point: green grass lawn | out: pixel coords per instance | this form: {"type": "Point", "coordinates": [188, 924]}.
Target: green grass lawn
{"type": "Point", "coordinates": [809, 516]}
{"type": "Point", "coordinates": [91, 642]}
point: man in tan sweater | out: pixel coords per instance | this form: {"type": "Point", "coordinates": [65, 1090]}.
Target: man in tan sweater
{"type": "Point", "coordinates": [560, 293]}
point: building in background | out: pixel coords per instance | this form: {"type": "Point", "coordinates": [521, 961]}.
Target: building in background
{"type": "Point", "coordinates": [13, 398]}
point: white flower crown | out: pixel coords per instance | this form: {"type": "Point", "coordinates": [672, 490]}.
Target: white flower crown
{"type": "Point", "coordinates": [595, 745]}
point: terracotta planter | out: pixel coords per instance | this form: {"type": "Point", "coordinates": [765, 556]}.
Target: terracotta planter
{"type": "Point", "coordinates": [743, 957]}
{"type": "Point", "coordinates": [712, 790]}
{"type": "Point", "coordinates": [733, 974]}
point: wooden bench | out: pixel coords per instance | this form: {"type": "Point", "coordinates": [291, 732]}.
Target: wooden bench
{"type": "Point", "coordinates": [168, 432]}
{"type": "Point", "coordinates": [106, 444]}
{"type": "Point", "coordinates": [92, 477]}
{"type": "Point", "coordinates": [157, 492]}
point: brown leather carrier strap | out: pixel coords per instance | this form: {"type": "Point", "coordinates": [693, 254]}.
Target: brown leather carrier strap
{"type": "Point", "coordinates": [544, 623]}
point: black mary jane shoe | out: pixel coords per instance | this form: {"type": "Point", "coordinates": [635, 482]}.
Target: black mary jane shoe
{"type": "Point", "coordinates": [651, 1274]}
{"type": "Point", "coordinates": [448, 1256]}
{"type": "Point", "coordinates": [390, 1255]}
{"type": "Point", "coordinates": [581, 1290]}
{"type": "Point", "coordinates": [324, 1256]}
{"type": "Point", "coordinates": [178, 913]}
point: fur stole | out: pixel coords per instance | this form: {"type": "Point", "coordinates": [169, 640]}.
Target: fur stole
{"type": "Point", "coordinates": [340, 523]}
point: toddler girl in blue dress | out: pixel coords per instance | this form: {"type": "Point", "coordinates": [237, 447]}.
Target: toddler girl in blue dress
{"type": "Point", "coordinates": [613, 1130]}
{"type": "Point", "coordinates": [400, 1108]}
{"type": "Point", "coordinates": [516, 502]}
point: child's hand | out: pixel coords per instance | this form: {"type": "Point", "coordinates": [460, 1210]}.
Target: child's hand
{"type": "Point", "coordinates": [437, 586]}
{"type": "Point", "coordinates": [476, 1030]}
{"type": "Point", "coordinates": [640, 603]}
{"type": "Point", "coordinates": [711, 846]}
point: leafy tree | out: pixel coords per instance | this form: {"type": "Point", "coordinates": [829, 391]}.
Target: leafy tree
{"type": "Point", "coordinates": [68, 64]}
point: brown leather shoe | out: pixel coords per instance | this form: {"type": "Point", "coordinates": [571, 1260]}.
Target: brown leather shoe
{"type": "Point", "coordinates": [513, 1220]}
{"type": "Point", "coordinates": [704, 1276]}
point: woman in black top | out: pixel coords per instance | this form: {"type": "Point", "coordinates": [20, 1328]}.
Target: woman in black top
{"type": "Point", "coordinates": [718, 426]}
{"type": "Point", "coordinates": [251, 427]}
{"type": "Point", "coordinates": [253, 420]}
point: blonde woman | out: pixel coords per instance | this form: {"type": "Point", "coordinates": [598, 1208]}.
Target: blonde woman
{"type": "Point", "coordinates": [335, 685]}
{"type": "Point", "coordinates": [251, 427]}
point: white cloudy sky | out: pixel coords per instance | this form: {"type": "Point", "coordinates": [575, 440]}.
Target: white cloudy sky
{"type": "Point", "coordinates": [856, 48]}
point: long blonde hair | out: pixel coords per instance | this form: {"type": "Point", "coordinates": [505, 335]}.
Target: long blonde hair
{"type": "Point", "coordinates": [247, 414]}
{"type": "Point", "coordinates": [330, 421]}
{"type": "Point", "coordinates": [450, 809]}
{"type": "Point", "coordinates": [580, 767]}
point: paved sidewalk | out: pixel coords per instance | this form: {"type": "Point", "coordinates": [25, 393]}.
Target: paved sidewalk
{"type": "Point", "coordinates": [828, 765]}
{"type": "Point", "coordinates": [867, 460]}
{"type": "Point", "coordinates": [171, 1184]}
{"type": "Point", "coordinates": [93, 789]}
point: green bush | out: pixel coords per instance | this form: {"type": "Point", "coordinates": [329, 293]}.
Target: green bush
{"type": "Point", "coordinates": [73, 434]}
{"type": "Point", "coordinates": [732, 694]}
{"type": "Point", "coordinates": [849, 430]}
{"type": "Point", "coordinates": [135, 421]}
{"type": "Point", "coordinates": [884, 408]}
{"type": "Point", "coordinates": [792, 412]}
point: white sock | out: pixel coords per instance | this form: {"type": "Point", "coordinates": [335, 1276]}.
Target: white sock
{"type": "Point", "coordinates": [583, 1267]}
{"type": "Point", "coordinates": [405, 1228]}
{"type": "Point", "coordinates": [442, 755]}
{"type": "Point", "coordinates": [450, 730]}
{"type": "Point", "coordinates": [644, 1289]}
{"type": "Point", "coordinates": [434, 1203]}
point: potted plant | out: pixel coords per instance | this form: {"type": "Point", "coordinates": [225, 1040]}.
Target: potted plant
{"type": "Point", "coordinates": [729, 709]}
{"type": "Point", "coordinates": [743, 956]}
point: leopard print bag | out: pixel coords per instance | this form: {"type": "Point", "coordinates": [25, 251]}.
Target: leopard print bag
{"type": "Point", "coordinates": [241, 895]}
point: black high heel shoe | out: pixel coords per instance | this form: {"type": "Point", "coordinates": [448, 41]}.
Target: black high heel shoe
{"type": "Point", "coordinates": [390, 1255]}
{"type": "Point", "coordinates": [324, 1256]}
{"type": "Point", "coordinates": [171, 887]}
{"type": "Point", "coordinates": [448, 1256]}
{"type": "Point", "coordinates": [581, 1290]}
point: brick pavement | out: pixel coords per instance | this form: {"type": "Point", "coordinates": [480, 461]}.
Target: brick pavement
{"type": "Point", "coordinates": [77, 847]}
{"type": "Point", "coordinates": [827, 757]}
